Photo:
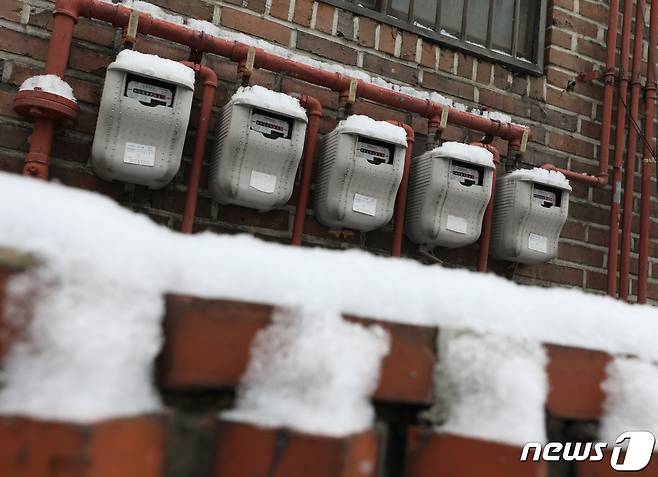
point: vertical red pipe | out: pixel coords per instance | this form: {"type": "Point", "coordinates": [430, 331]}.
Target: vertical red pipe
{"type": "Point", "coordinates": [487, 222]}
{"type": "Point", "coordinates": [314, 110]}
{"type": "Point", "coordinates": [37, 160]}
{"type": "Point", "coordinates": [629, 179]}
{"type": "Point", "coordinates": [207, 101]}
{"type": "Point", "coordinates": [648, 163]}
{"type": "Point", "coordinates": [620, 130]}
{"type": "Point", "coordinates": [401, 199]}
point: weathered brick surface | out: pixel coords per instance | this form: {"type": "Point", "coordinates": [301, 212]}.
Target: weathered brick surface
{"type": "Point", "coordinates": [565, 122]}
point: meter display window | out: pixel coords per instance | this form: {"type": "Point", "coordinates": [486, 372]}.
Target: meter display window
{"type": "Point", "coordinates": [271, 125]}
{"type": "Point", "coordinates": [546, 196]}
{"type": "Point", "coordinates": [373, 151]}
{"type": "Point", "coordinates": [150, 92]}
{"type": "Point", "coordinates": [467, 174]}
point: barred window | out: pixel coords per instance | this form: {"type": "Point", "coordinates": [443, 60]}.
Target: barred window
{"type": "Point", "coordinates": [504, 31]}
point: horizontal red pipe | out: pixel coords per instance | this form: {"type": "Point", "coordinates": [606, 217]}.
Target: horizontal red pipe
{"type": "Point", "coordinates": [119, 16]}
{"type": "Point", "coordinates": [314, 110]}
{"type": "Point", "coordinates": [593, 181]}
{"type": "Point", "coordinates": [207, 101]}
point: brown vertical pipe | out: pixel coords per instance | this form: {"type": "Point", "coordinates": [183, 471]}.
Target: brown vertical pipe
{"type": "Point", "coordinates": [648, 161]}
{"type": "Point", "coordinates": [401, 199]}
{"type": "Point", "coordinates": [487, 222]}
{"type": "Point", "coordinates": [629, 179]}
{"type": "Point", "coordinates": [207, 101]}
{"type": "Point", "coordinates": [314, 110]}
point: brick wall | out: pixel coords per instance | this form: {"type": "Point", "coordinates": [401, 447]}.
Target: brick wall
{"type": "Point", "coordinates": [565, 124]}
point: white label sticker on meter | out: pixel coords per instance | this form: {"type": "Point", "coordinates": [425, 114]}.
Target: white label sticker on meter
{"type": "Point", "coordinates": [364, 204]}
{"type": "Point", "coordinates": [263, 182]}
{"type": "Point", "coordinates": [140, 154]}
{"type": "Point", "coordinates": [545, 198]}
{"type": "Point", "coordinates": [372, 153]}
{"type": "Point", "coordinates": [460, 173]}
{"type": "Point", "coordinates": [457, 224]}
{"type": "Point", "coordinates": [146, 92]}
{"type": "Point", "coordinates": [268, 125]}
{"type": "Point", "coordinates": [538, 243]}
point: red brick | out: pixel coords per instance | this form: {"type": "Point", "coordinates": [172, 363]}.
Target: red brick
{"type": "Point", "coordinates": [390, 69]}
{"type": "Point", "coordinates": [303, 12]}
{"type": "Point", "coordinates": [596, 11]}
{"type": "Point", "coordinates": [196, 9]}
{"type": "Point", "coordinates": [326, 48]}
{"type": "Point", "coordinates": [246, 450]}
{"type": "Point", "coordinates": [254, 25]}
{"type": "Point", "coordinates": [11, 10]}
{"type": "Point", "coordinates": [408, 48]}
{"type": "Point", "coordinates": [324, 17]}
{"type": "Point", "coordinates": [446, 84]}
{"type": "Point", "coordinates": [431, 454]}
{"type": "Point", "coordinates": [280, 9]}
{"type": "Point", "coordinates": [575, 377]}
{"type": "Point", "coordinates": [387, 36]}
{"type": "Point", "coordinates": [428, 55]}
{"type": "Point", "coordinates": [367, 29]}
{"type": "Point", "coordinates": [130, 447]}
{"type": "Point", "coordinates": [570, 22]}
{"type": "Point", "coordinates": [573, 145]}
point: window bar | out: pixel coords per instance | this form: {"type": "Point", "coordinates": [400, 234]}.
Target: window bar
{"type": "Point", "coordinates": [464, 20]}
{"type": "Point", "coordinates": [490, 23]}
{"type": "Point", "coordinates": [383, 7]}
{"type": "Point", "coordinates": [515, 35]}
{"type": "Point", "coordinates": [437, 27]}
{"type": "Point", "coordinates": [411, 16]}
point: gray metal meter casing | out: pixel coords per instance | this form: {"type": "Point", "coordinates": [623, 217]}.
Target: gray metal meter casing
{"type": "Point", "coordinates": [257, 150]}
{"type": "Point", "coordinates": [358, 174]}
{"type": "Point", "coordinates": [142, 119]}
{"type": "Point", "coordinates": [530, 211]}
{"type": "Point", "coordinates": [449, 190]}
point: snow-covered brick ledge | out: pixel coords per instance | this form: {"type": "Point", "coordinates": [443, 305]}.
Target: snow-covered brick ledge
{"type": "Point", "coordinates": [99, 305]}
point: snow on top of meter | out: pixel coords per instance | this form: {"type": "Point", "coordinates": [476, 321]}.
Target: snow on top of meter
{"type": "Point", "coordinates": [359, 124]}
{"type": "Point", "coordinates": [96, 323]}
{"type": "Point", "coordinates": [49, 84]}
{"type": "Point", "coordinates": [154, 66]}
{"type": "Point", "coordinates": [465, 152]}
{"type": "Point", "coordinates": [545, 176]}
{"type": "Point", "coordinates": [271, 100]}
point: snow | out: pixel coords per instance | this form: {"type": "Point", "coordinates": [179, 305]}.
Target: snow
{"type": "Point", "coordinates": [112, 311]}
{"type": "Point", "coordinates": [270, 100]}
{"type": "Point", "coordinates": [465, 152]}
{"type": "Point", "coordinates": [545, 176]}
{"type": "Point", "coordinates": [220, 32]}
{"type": "Point", "coordinates": [491, 388]}
{"type": "Point", "coordinates": [153, 65]}
{"type": "Point", "coordinates": [630, 404]}
{"type": "Point", "coordinates": [313, 372]}
{"type": "Point", "coordinates": [49, 84]}
{"type": "Point", "coordinates": [359, 124]}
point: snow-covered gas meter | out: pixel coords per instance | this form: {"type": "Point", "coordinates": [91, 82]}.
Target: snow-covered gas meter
{"type": "Point", "coordinates": [530, 210]}
{"type": "Point", "coordinates": [142, 119]}
{"type": "Point", "coordinates": [449, 190]}
{"type": "Point", "coordinates": [359, 172]}
{"type": "Point", "coordinates": [259, 144]}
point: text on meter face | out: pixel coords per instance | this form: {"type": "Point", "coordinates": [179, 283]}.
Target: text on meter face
{"type": "Point", "coordinates": [271, 125]}
{"type": "Point", "coordinates": [150, 92]}
{"type": "Point", "coordinates": [465, 174]}
{"type": "Point", "coordinates": [374, 152]}
{"type": "Point", "coordinates": [545, 197]}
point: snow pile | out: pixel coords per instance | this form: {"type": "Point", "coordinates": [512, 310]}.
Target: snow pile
{"type": "Point", "coordinates": [492, 388]}
{"type": "Point", "coordinates": [313, 372]}
{"type": "Point", "coordinates": [153, 65]}
{"type": "Point", "coordinates": [270, 100]}
{"type": "Point", "coordinates": [154, 11]}
{"type": "Point", "coordinates": [366, 126]}
{"type": "Point", "coordinates": [86, 240]}
{"type": "Point", "coordinates": [465, 152]}
{"type": "Point", "coordinates": [545, 176]}
{"type": "Point", "coordinates": [49, 84]}
{"type": "Point", "coordinates": [630, 403]}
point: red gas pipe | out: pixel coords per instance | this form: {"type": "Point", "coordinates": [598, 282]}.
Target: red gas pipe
{"type": "Point", "coordinates": [648, 161]}
{"type": "Point", "coordinates": [401, 199]}
{"type": "Point", "coordinates": [207, 101]}
{"type": "Point", "coordinates": [487, 222]}
{"type": "Point", "coordinates": [314, 110]}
